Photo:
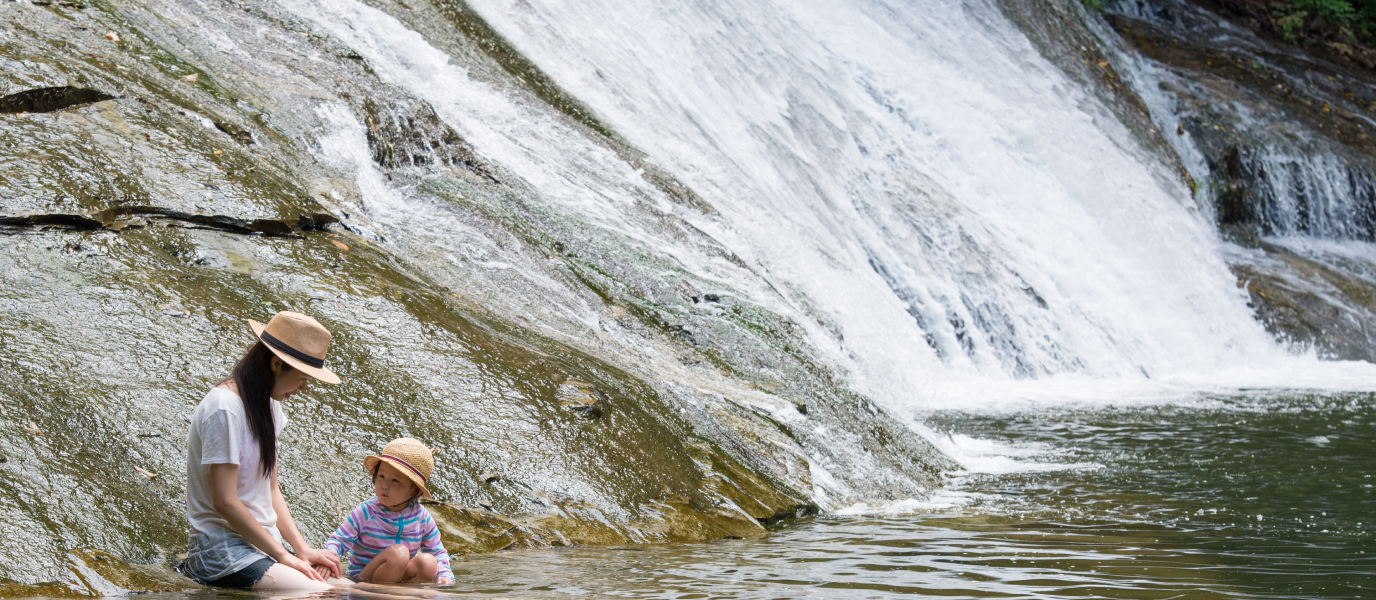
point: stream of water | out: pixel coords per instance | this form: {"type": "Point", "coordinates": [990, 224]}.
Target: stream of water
{"type": "Point", "coordinates": [1214, 497]}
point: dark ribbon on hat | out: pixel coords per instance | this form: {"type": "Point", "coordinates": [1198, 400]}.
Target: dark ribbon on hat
{"type": "Point", "coordinates": [311, 361]}
{"type": "Point", "coordinates": [407, 465]}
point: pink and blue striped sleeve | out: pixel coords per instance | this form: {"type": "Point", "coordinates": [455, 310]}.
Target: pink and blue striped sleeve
{"type": "Point", "coordinates": [430, 542]}
{"type": "Point", "coordinates": [342, 540]}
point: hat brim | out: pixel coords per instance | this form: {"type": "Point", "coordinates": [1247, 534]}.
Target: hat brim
{"type": "Point", "coordinates": [320, 373]}
{"type": "Point", "coordinates": [371, 461]}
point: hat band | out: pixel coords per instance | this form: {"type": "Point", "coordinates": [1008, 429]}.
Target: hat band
{"type": "Point", "coordinates": [311, 361]}
{"type": "Point", "coordinates": [407, 465]}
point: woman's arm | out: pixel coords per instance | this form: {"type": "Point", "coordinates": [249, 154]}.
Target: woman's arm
{"type": "Point", "coordinates": [287, 527]}
{"type": "Point", "coordinates": [224, 487]}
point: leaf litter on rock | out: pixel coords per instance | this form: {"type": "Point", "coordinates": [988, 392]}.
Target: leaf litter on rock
{"type": "Point", "coordinates": [145, 473]}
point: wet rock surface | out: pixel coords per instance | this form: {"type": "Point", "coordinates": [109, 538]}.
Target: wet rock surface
{"type": "Point", "coordinates": [1277, 143]}
{"type": "Point", "coordinates": [1288, 137]}
{"type": "Point", "coordinates": [139, 230]}
{"type": "Point", "coordinates": [1287, 140]}
{"type": "Point", "coordinates": [1311, 298]}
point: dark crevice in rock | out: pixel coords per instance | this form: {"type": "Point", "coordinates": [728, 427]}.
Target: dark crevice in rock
{"type": "Point", "coordinates": [235, 132]}
{"type": "Point", "coordinates": [61, 221]}
{"type": "Point", "coordinates": [131, 217]}
{"type": "Point", "coordinates": [793, 512]}
{"type": "Point", "coordinates": [49, 99]}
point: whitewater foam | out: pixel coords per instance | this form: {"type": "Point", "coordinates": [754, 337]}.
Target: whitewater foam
{"type": "Point", "coordinates": [952, 223]}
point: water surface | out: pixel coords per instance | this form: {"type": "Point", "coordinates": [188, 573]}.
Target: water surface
{"type": "Point", "coordinates": [1255, 497]}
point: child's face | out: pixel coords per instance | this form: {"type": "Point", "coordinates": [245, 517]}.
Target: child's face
{"type": "Point", "coordinates": [392, 488]}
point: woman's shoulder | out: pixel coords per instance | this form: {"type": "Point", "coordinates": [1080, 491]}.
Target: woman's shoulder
{"type": "Point", "coordinates": [219, 398]}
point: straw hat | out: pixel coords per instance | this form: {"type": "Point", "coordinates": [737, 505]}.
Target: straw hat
{"type": "Point", "coordinates": [299, 341]}
{"type": "Point", "coordinates": [410, 457]}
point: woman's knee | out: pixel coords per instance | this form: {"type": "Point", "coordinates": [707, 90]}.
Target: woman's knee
{"type": "Point", "coordinates": [283, 578]}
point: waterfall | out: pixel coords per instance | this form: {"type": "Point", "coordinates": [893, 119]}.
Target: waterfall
{"type": "Point", "coordinates": [938, 207]}
{"type": "Point", "coordinates": [1257, 147]}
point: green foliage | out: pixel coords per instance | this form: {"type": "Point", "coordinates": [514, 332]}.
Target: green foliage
{"type": "Point", "coordinates": [1289, 23]}
{"type": "Point", "coordinates": [1094, 5]}
{"type": "Point", "coordinates": [1337, 11]}
{"type": "Point", "coordinates": [1356, 19]}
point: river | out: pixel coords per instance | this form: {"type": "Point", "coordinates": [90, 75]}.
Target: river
{"type": "Point", "coordinates": [1242, 496]}
{"type": "Point", "coordinates": [1215, 497]}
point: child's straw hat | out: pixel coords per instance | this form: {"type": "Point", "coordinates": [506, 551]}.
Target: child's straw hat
{"type": "Point", "coordinates": [408, 456]}
{"type": "Point", "coordinates": [299, 341]}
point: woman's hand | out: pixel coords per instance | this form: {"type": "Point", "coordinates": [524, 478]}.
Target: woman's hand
{"type": "Point", "coordinates": [322, 559]}
{"type": "Point", "coordinates": [295, 562]}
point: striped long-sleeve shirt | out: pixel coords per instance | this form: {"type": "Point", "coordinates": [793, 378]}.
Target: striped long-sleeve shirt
{"type": "Point", "coordinates": [371, 528]}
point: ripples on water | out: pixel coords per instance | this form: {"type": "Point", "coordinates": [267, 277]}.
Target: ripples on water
{"type": "Point", "coordinates": [1223, 498]}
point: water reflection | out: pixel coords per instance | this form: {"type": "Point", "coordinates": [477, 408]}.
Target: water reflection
{"type": "Point", "coordinates": [360, 591]}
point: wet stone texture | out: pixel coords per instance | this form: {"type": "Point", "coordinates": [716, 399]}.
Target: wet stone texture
{"type": "Point", "coordinates": [1288, 137]}
{"type": "Point", "coordinates": [156, 190]}
{"type": "Point", "coordinates": [1287, 144]}
{"type": "Point", "coordinates": [1312, 300]}
{"type": "Point", "coordinates": [108, 357]}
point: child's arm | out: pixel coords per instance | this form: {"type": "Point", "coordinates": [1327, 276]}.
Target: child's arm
{"type": "Point", "coordinates": [342, 540]}
{"type": "Point", "coordinates": [287, 527]}
{"type": "Point", "coordinates": [430, 542]}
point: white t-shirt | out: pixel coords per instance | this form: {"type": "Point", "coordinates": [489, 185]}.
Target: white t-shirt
{"type": "Point", "coordinates": [220, 434]}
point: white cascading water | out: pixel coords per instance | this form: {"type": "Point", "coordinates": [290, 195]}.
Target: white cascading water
{"type": "Point", "coordinates": [1303, 182]}
{"type": "Point", "coordinates": [954, 221]}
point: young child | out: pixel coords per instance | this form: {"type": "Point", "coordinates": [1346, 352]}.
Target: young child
{"type": "Point", "coordinates": [392, 537]}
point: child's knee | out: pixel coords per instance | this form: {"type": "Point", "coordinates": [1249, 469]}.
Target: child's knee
{"type": "Point", "coordinates": [396, 552]}
{"type": "Point", "coordinates": [425, 565]}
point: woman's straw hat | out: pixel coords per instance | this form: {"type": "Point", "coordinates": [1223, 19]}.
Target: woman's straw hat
{"type": "Point", "coordinates": [299, 341]}
{"type": "Point", "coordinates": [410, 457]}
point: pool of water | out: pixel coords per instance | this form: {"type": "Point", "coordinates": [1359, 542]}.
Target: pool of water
{"type": "Point", "coordinates": [1256, 497]}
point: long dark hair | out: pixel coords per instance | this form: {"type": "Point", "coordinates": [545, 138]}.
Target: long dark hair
{"type": "Point", "coordinates": [254, 377]}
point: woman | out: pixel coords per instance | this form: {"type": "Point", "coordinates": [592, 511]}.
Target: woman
{"type": "Point", "coordinates": [239, 520]}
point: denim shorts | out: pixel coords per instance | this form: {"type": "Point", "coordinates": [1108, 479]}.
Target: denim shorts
{"type": "Point", "coordinates": [216, 555]}
{"type": "Point", "coordinates": [246, 578]}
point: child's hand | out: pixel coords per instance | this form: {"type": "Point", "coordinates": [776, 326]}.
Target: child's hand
{"type": "Point", "coordinates": [325, 559]}
{"type": "Point", "coordinates": [444, 581]}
